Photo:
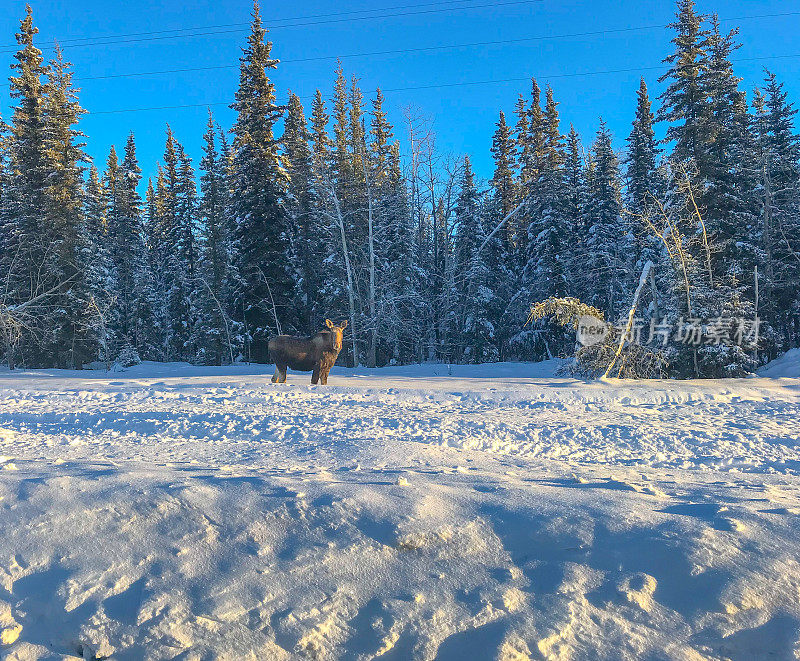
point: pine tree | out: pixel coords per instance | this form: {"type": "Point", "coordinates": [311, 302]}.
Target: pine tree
{"type": "Point", "coordinates": [259, 183]}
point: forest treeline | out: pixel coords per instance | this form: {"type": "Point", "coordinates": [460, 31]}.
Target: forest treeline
{"type": "Point", "coordinates": [292, 216]}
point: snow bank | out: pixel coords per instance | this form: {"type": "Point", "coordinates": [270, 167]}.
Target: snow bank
{"type": "Point", "coordinates": [785, 366]}
{"type": "Point", "coordinates": [490, 512]}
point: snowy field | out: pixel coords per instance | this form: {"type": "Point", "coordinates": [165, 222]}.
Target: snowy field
{"type": "Point", "coordinates": [491, 512]}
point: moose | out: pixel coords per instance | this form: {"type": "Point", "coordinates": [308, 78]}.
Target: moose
{"type": "Point", "coordinates": [315, 354]}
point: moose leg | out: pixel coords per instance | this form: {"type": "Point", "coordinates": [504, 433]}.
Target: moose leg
{"type": "Point", "coordinates": [324, 377]}
{"type": "Point", "coordinates": [277, 376]}
{"type": "Point", "coordinates": [283, 374]}
{"type": "Point", "coordinates": [315, 375]}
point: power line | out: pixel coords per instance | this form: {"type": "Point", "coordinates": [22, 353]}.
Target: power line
{"type": "Point", "coordinates": [399, 51]}
{"type": "Point", "coordinates": [291, 25]}
{"type": "Point", "coordinates": [493, 81]}
{"type": "Point", "coordinates": [246, 24]}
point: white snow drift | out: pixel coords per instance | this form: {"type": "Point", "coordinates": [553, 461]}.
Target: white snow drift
{"type": "Point", "coordinates": [490, 512]}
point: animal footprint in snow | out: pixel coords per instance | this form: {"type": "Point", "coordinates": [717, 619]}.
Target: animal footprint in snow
{"type": "Point", "coordinates": [729, 524]}
{"type": "Point", "coordinates": [10, 629]}
{"type": "Point", "coordinates": [639, 590]}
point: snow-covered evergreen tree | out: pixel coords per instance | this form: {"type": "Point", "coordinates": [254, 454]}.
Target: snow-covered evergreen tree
{"type": "Point", "coordinates": [504, 180]}
{"type": "Point", "coordinates": [98, 267]}
{"type": "Point", "coordinates": [216, 345]}
{"type": "Point", "coordinates": [27, 249]}
{"type": "Point", "coordinates": [131, 317]}
{"type": "Point", "coordinates": [778, 192]}
{"type": "Point", "coordinates": [66, 341]}
{"type": "Point", "coordinates": [609, 239]}
{"type": "Point", "coordinates": [259, 185]}
{"type": "Point", "coordinates": [301, 207]}
{"type": "Point", "coordinates": [547, 259]}
{"type": "Point", "coordinates": [684, 101]}
{"type": "Point", "coordinates": [476, 307]}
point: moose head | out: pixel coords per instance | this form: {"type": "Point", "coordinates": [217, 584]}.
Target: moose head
{"type": "Point", "coordinates": [338, 332]}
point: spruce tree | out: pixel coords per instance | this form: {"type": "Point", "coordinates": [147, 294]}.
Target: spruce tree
{"type": "Point", "coordinates": [214, 278]}
{"type": "Point", "coordinates": [340, 155]}
{"type": "Point", "coordinates": [170, 252]}
{"type": "Point", "coordinates": [100, 275]}
{"type": "Point", "coordinates": [475, 332]}
{"type": "Point", "coordinates": [381, 138]}
{"type": "Point", "coordinates": [27, 248]}
{"type": "Point", "coordinates": [67, 322]}
{"type": "Point", "coordinates": [319, 138]}
{"type": "Point", "coordinates": [144, 298]}
{"type": "Point", "coordinates": [191, 286]}
{"type": "Point", "coordinates": [133, 298]}
{"type": "Point", "coordinates": [5, 199]}
{"type": "Point", "coordinates": [157, 262]}
{"type": "Point", "coordinates": [609, 239]}
{"type": "Point", "coordinates": [572, 209]}
{"type": "Point", "coordinates": [301, 209]}
{"type": "Point", "coordinates": [779, 208]}
{"type": "Point", "coordinates": [329, 163]}
{"type": "Point", "coordinates": [355, 132]}
{"type": "Point", "coordinates": [503, 180]}
{"type": "Point", "coordinates": [684, 102]}
{"type": "Point", "coordinates": [259, 184]}
{"type": "Point", "coordinates": [545, 272]}
{"type": "Point", "coordinates": [726, 193]}
{"type": "Point", "coordinates": [643, 182]}
{"type": "Point", "coordinates": [392, 235]}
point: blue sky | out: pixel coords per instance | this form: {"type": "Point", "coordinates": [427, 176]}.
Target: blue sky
{"type": "Point", "coordinates": [464, 116]}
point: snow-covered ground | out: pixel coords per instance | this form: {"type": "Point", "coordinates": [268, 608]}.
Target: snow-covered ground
{"type": "Point", "coordinates": [491, 512]}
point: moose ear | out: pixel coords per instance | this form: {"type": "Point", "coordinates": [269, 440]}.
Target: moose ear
{"type": "Point", "coordinates": [344, 324]}
{"type": "Point", "coordinates": [329, 323]}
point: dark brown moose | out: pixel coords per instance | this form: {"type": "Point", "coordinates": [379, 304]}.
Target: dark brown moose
{"type": "Point", "coordinates": [315, 354]}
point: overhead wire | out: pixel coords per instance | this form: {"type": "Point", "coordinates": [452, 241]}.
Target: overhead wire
{"type": "Point", "coordinates": [418, 49]}
{"type": "Point", "coordinates": [209, 32]}
{"type": "Point", "coordinates": [442, 85]}
{"type": "Point", "coordinates": [466, 83]}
